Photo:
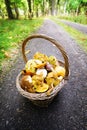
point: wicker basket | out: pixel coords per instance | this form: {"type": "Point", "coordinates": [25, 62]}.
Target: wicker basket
{"type": "Point", "coordinates": [42, 99]}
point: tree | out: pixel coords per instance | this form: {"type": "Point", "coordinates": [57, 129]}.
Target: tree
{"type": "Point", "coordinates": [16, 10]}
{"type": "Point", "coordinates": [17, 5]}
{"type": "Point", "coordinates": [84, 5]}
{"type": "Point", "coordinates": [76, 6]}
{"type": "Point", "coordinates": [53, 6]}
{"type": "Point", "coordinates": [9, 10]}
{"type": "Point", "coordinates": [30, 8]}
{"type": "Point", "coordinates": [2, 9]}
{"type": "Point", "coordinates": [43, 7]}
{"type": "Point", "coordinates": [24, 7]}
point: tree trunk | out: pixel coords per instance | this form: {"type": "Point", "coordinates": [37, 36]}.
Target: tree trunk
{"type": "Point", "coordinates": [50, 6]}
{"type": "Point", "coordinates": [37, 12]}
{"type": "Point", "coordinates": [33, 9]}
{"type": "Point", "coordinates": [64, 7]}
{"type": "Point", "coordinates": [1, 13]}
{"type": "Point", "coordinates": [16, 10]}
{"type": "Point", "coordinates": [30, 10]}
{"type": "Point", "coordinates": [53, 6]}
{"type": "Point", "coordinates": [43, 8]}
{"type": "Point", "coordinates": [57, 6]}
{"type": "Point", "coordinates": [9, 11]}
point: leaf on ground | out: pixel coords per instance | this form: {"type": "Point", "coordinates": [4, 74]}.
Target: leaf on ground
{"type": "Point", "coordinates": [28, 51]}
{"type": "Point", "coordinates": [7, 54]}
{"type": "Point", "coordinates": [83, 39]}
{"type": "Point", "coordinates": [14, 52]}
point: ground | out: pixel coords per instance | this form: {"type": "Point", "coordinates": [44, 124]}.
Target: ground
{"type": "Point", "coordinates": [68, 109]}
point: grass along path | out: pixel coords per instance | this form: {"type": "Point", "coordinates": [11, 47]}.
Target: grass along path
{"type": "Point", "coordinates": [12, 32]}
{"type": "Point", "coordinates": [77, 35]}
{"type": "Point", "coordinates": [78, 19]}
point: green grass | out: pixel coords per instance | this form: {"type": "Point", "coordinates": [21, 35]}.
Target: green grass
{"type": "Point", "coordinates": [77, 35]}
{"type": "Point", "coordinates": [78, 19]}
{"type": "Point", "coordinates": [12, 32]}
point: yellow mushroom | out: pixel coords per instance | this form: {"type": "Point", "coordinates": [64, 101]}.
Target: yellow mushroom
{"type": "Point", "coordinates": [60, 71]}
{"type": "Point", "coordinates": [42, 88]}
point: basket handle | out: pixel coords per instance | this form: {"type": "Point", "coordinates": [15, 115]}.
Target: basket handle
{"type": "Point", "coordinates": [55, 43]}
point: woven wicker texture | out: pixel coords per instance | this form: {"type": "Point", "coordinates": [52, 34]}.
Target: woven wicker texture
{"type": "Point", "coordinates": [42, 99]}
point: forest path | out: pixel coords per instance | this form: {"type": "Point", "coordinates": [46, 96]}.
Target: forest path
{"type": "Point", "coordinates": [68, 110]}
{"type": "Point", "coordinates": [80, 27]}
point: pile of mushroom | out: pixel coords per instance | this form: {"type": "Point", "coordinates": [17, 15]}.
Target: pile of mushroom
{"type": "Point", "coordinates": [41, 74]}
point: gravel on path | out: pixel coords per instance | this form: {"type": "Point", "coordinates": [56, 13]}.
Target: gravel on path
{"type": "Point", "coordinates": [68, 111]}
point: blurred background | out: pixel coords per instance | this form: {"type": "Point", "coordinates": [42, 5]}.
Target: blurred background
{"type": "Point", "coordinates": [69, 9]}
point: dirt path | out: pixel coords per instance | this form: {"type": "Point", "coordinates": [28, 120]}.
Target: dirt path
{"type": "Point", "coordinates": [67, 111]}
{"type": "Point", "coordinates": [80, 27]}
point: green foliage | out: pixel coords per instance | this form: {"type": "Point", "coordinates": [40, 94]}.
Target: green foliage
{"type": "Point", "coordinates": [12, 32]}
{"type": "Point", "coordinates": [37, 2]}
{"type": "Point", "coordinates": [2, 8]}
{"type": "Point", "coordinates": [84, 0]}
{"type": "Point", "coordinates": [74, 4]}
